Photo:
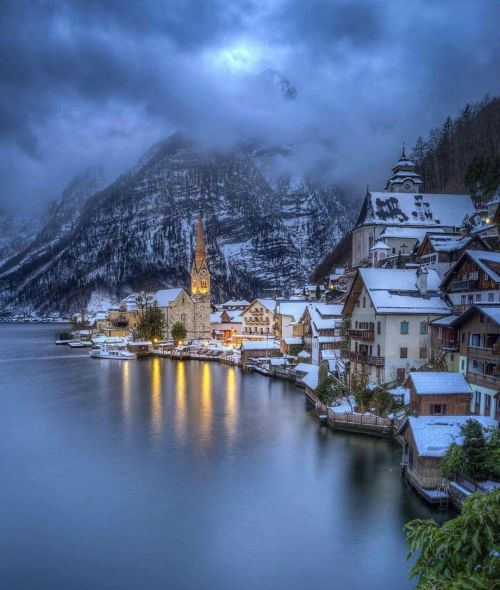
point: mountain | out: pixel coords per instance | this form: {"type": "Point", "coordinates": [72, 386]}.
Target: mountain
{"type": "Point", "coordinates": [263, 229]}
{"type": "Point", "coordinates": [15, 234]}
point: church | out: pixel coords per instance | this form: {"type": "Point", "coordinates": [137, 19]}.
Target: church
{"type": "Point", "coordinates": [192, 310]}
{"type": "Point", "coordinates": [403, 214]}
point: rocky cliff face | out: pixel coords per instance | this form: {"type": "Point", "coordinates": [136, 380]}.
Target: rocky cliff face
{"type": "Point", "coordinates": [262, 229]}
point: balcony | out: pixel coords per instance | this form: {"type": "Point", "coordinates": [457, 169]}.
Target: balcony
{"type": "Point", "coordinates": [464, 285]}
{"type": "Point", "coordinates": [483, 379]}
{"type": "Point", "coordinates": [367, 359]}
{"type": "Point", "coordinates": [487, 354]}
{"type": "Point", "coordinates": [364, 335]}
{"type": "Point", "coordinates": [451, 346]}
{"type": "Point", "coordinates": [459, 309]}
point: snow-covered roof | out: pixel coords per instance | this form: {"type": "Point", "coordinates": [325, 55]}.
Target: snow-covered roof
{"type": "Point", "coordinates": [408, 233]}
{"type": "Point", "coordinates": [430, 383]}
{"type": "Point", "coordinates": [330, 353]}
{"type": "Point", "coordinates": [311, 378]}
{"type": "Point", "coordinates": [379, 246]}
{"type": "Point", "coordinates": [325, 317]}
{"type": "Point", "coordinates": [445, 321]}
{"type": "Point", "coordinates": [304, 354]}
{"type": "Point", "coordinates": [236, 303]}
{"type": "Point", "coordinates": [394, 290]}
{"type": "Point", "coordinates": [277, 361]}
{"type": "Point", "coordinates": [487, 261]}
{"type": "Point", "coordinates": [294, 340]}
{"type": "Point", "coordinates": [425, 209]}
{"type": "Point", "coordinates": [165, 297]}
{"type": "Point", "coordinates": [304, 367]}
{"type": "Point", "coordinates": [269, 304]}
{"type": "Point", "coordinates": [260, 345]}
{"type": "Point", "coordinates": [449, 242]}
{"type": "Point", "coordinates": [234, 317]}
{"type": "Point", "coordinates": [491, 311]}
{"type": "Point", "coordinates": [434, 434]}
{"type": "Point", "coordinates": [402, 392]}
{"type": "Point", "coordinates": [295, 309]}
{"type": "Point", "coordinates": [339, 272]}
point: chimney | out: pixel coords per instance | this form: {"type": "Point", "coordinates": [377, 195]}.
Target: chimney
{"type": "Point", "coordinates": [422, 280]}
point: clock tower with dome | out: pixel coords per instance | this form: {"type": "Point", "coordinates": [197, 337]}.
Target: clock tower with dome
{"type": "Point", "coordinates": [404, 178]}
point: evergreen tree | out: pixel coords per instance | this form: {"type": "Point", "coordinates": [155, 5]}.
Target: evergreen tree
{"type": "Point", "coordinates": [179, 332]}
{"type": "Point", "coordinates": [475, 450]}
{"type": "Point", "coordinates": [151, 324]}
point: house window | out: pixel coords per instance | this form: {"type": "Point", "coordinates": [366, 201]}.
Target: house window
{"type": "Point", "coordinates": [403, 353]}
{"type": "Point", "coordinates": [474, 275]}
{"type": "Point", "coordinates": [423, 327]}
{"type": "Point", "coordinates": [487, 403]}
{"type": "Point", "coordinates": [490, 297]}
{"type": "Point", "coordinates": [438, 409]}
{"type": "Point", "coordinates": [378, 349]}
{"type": "Point", "coordinates": [463, 336]}
{"type": "Point", "coordinates": [477, 397]}
{"type": "Point", "coordinates": [478, 296]}
{"type": "Point", "coordinates": [364, 301]}
{"type": "Point", "coordinates": [470, 299]}
{"type": "Point", "coordinates": [378, 328]}
{"type": "Point", "coordinates": [463, 365]}
{"type": "Point", "coordinates": [356, 326]}
{"type": "Point", "coordinates": [405, 327]}
{"type": "Point", "coordinates": [475, 340]}
{"type": "Point", "coordinates": [463, 299]}
{"type": "Point", "coordinates": [358, 303]}
{"type": "Point", "coordinates": [423, 352]}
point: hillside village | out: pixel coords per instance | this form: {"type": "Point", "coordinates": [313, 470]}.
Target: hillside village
{"type": "Point", "coordinates": [403, 340]}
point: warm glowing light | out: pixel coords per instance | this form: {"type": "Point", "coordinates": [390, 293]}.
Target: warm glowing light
{"type": "Point", "coordinates": [126, 390]}
{"type": "Point", "coordinates": [206, 403]}
{"type": "Point", "coordinates": [231, 403]}
{"type": "Point", "coordinates": [180, 400]}
{"type": "Point", "coordinates": [156, 401]}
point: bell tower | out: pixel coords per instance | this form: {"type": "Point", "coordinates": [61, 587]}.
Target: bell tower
{"type": "Point", "coordinates": [405, 178]}
{"type": "Point", "coordinates": [200, 275]}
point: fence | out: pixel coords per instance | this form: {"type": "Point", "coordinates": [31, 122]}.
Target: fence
{"type": "Point", "coordinates": [358, 419]}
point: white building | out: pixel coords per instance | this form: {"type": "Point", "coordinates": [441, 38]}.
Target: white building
{"type": "Point", "coordinates": [322, 323]}
{"type": "Point", "coordinates": [390, 310]}
{"type": "Point", "coordinates": [402, 206]}
{"type": "Point", "coordinates": [258, 317]}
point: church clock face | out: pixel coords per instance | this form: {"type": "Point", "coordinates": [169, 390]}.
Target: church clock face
{"type": "Point", "coordinates": [407, 186]}
{"type": "Point", "coordinates": [203, 271]}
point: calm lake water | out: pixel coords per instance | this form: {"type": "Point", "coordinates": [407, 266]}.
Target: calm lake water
{"type": "Point", "coordinates": [157, 474]}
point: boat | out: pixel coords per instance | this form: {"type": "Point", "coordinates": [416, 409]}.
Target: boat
{"type": "Point", "coordinates": [60, 342]}
{"type": "Point", "coordinates": [76, 344]}
{"type": "Point", "coordinates": [112, 353]}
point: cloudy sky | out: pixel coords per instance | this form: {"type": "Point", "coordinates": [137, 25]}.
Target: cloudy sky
{"type": "Point", "coordinates": [347, 81]}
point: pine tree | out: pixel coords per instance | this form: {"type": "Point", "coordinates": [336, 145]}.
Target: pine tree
{"type": "Point", "coordinates": [475, 450]}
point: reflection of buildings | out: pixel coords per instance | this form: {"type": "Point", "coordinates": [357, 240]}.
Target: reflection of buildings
{"type": "Point", "coordinates": [205, 405]}
{"type": "Point", "coordinates": [156, 396]}
{"type": "Point", "coordinates": [231, 403]}
{"type": "Point", "coordinates": [180, 399]}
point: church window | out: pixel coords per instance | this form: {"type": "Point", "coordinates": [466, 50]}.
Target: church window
{"type": "Point", "coordinates": [183, 318]}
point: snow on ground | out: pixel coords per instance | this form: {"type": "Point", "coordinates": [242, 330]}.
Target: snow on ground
{"type": "Point", "coordinates": [101, 302]}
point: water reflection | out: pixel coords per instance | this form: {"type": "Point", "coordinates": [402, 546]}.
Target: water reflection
{"type": "Point", "coordinates": [156, 399]}
{"type": "Point", "coordinates": [231, 404]}
{"type": "Point", "coordinates": [180, 399]}
{"type": "Point", "coordinates": [205, 420]}
{"type": "Point", "coordinates": [126, 398]}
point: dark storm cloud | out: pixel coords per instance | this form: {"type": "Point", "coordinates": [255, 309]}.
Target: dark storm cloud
{"type": "Point", "coordinates": [93, 80]}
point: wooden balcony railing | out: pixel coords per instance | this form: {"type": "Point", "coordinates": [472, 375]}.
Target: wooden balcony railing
{"type": "Point", "coordinates": [367, 359]}
{"type": "Point", "coordinates": [483, 379]}
{"type": "Point", "coordinates": [451, 346]}
{"type": "Point", "coordinates": [464, 285]}
{"type": "Point", "coordinates": [364, 335]}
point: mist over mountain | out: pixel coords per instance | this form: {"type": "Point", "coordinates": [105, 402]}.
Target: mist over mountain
{"type": "Point", "coordinates": [263, 229]}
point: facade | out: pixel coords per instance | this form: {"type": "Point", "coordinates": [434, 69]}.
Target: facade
{"type": "Point", "coordinates": [258, 318]}
{"type": "Point", "coordinates": [440, 251]}
{"type": "Point", "coordinates": [226, 324]}
{"type": "Point", "coordinates": [438, 394]}
{"type": "Point", "coordinates": [478, 334]}
{"type": "Point", "coordinates": [259, 349]}
{"type": "Point", "coordinates": [321, 328]}
{"type": "Point", "coordinates": [286, 316]}
{"type": "Point", "coordinates": [474, 279]}
{"type": "Point", "coordinates": [402, 206]}
{"type": "Point", "coordinates": [390, 311]}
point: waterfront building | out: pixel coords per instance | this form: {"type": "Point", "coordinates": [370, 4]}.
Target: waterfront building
{"type": "Point", "coordinates": [474, 279]}
{"type": "Point", "coordinates": [390, 311]}
{"type": "Point", "coordinates": [321, 328]}
{"type": "Point", "coordinates": [258, 318]}
{"type": "Point", "coordinates": [255, 349]}
{"type": "Point", "coordinates": [403, 206]}
{"type": "Point", "coordinates": [438, 394]}
{"type": "Point", "coordinates": [287, 314]}
{"type": "Point", "coordinates": [226, 324]}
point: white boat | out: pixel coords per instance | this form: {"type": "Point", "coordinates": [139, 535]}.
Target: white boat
{"type": "Point", "coordinates": [111, 353]}
{"type": "Point", "coordinates": [63, 342]}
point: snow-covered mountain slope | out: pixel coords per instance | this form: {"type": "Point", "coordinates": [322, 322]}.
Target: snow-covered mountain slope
{"type": "Point", "coordinates": [262, 230]}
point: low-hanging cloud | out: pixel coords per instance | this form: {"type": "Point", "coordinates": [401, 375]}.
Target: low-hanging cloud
{"type": "Point", "coordinates": [344, 82]}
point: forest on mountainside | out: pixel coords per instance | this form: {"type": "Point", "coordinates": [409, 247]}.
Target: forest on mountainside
{"type": "Point", "coordinates": [461, 156]}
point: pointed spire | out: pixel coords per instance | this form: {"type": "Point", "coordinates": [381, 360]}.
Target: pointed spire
{"type": "Point", "coordinates": [403, 155]}
{"type": "Point", "coordinates": [200, 254]}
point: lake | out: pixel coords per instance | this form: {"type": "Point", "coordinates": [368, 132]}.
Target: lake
{"type": "Point", "coordinates": [160, 474]}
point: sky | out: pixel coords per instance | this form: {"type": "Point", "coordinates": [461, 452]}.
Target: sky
{"type": "Point", "coordinates": [345, 82]}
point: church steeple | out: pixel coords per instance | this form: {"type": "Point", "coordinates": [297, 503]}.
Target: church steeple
{"type": "Point", "coordinates": [405, 178]}
{"type": "Point", "coordinates": [200, 275]}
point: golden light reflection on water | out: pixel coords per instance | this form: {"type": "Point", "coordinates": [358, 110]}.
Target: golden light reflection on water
{"type": "Point", "coordinates": [206, 409]}
{"type": "Point", "coordinates": [156, 399]}
{"type": "Point", "coordinates": [180, 399]}
{"type": "Point", "coordinates": [231, 403]}
{"type": "Point", "coordinates": [126, 398]}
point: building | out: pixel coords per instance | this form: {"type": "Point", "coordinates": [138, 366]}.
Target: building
{"type": "Point", "coordinates": [444, 343]}
{"type": "Point", "coordinates": [403, 206]}
{"type": "Point", "coordinates": [477, 331]}
{"type": "Point", "coordinates": [258, 318]}
{"type": "Point", "coordinates": [322, 324]}
{"type": "Point", "coordinates": [440, 251]}
{"type": "Point", "coordinates": [251, 349]}
{"type": "Point", "coordinates": [438, 394]}
{"type": "Point", "coordinates": [426, 440]}
{"type": "Point", "coordinates": [287, 314]}
{"type": "Point", "coordinates": [337, 279]}
{"type": "Point", "coordinates": [475, 278]}
{"type": "Point", "coordinates": [390, 311]}
{"type": "Point", "coordinates": [226, 324]}
{"type": "Point", "coordinates": [234, 305]}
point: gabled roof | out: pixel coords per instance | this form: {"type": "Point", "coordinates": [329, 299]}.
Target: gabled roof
{"type": "Point", "coordinates": [488, 262]}
{"type": "Point", "coordinates": [394, 291]}
{"type": "Point", "coordinates": [409, 233]}
{"type": "Point", "coordinates": [433, 435]}
{"type": "Point", "coordinates": [294, 309]}
{"type": "Point", "coordinates": [492, 311]}
{"type": "Point", "coordinates": [431, 383]}
{"type": "Point", "coordinates": [269, 304]}
{"type": "Point", "coordinates": [451, 242]}
{"type": "Point", "coordinates": [429, 210]}
{"type": "Point", "coordinates": [260, 345]}
{"type": "Point", "coordinates": [165, 297]}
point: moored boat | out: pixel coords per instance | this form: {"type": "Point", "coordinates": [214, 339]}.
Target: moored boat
{"type": "Point", "coordinates": [112, 353]}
